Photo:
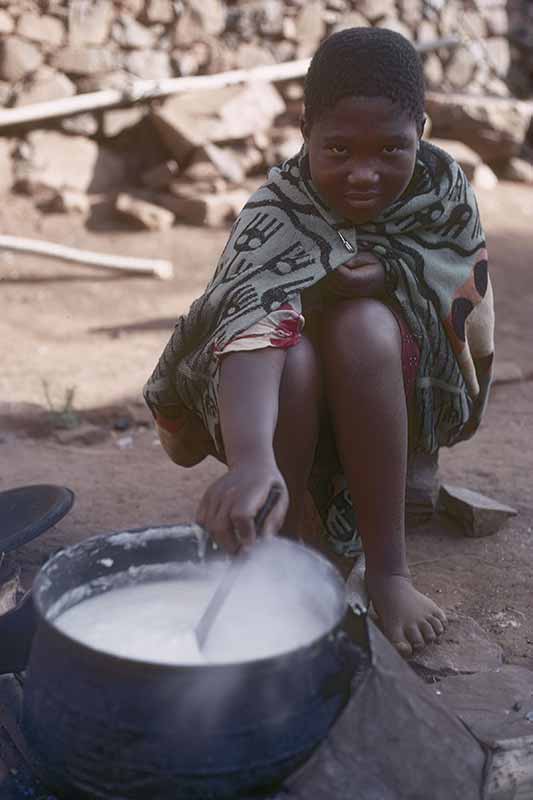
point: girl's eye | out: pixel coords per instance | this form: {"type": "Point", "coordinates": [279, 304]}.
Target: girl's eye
{"type": "Point", "coordinates": [337, 149]}
{"type": "Point", "coordinates": [391, 148]}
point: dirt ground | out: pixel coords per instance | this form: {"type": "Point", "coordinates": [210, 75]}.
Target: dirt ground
{"type": "Point", "coordinates": [69, 329]}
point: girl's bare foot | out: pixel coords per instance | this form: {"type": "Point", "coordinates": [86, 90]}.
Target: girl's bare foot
{"type": "Point", "coordinates": [409, 619]}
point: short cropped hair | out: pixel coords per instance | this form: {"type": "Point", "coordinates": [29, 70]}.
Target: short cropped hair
{"type": "Point", "coordinates": [365, 62]}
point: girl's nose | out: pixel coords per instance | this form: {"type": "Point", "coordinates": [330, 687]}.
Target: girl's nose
{"type": "Point", "coordinates": [362, 175]}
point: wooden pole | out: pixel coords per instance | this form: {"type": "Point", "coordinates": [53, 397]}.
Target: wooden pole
{"type": "Point", "coordinates": [147, 90]}
{"type": "Point", "coordinates": [141, 266]}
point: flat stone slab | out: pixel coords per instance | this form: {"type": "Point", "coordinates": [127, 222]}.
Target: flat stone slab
{"type": "Point", "coordinates": [478, 514]}
{"type": "Point", "coordinates": [465, 648]}
{"type": "Point", "coordinates": [497, 704]}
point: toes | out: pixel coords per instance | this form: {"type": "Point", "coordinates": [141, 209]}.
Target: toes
{"type": "Point", "coordinates": [438, 626]}
{"type": "Point", "coordinates": [441, 616]}
{"type": "Point", "coordinates": [414, 637]}
{"type": "Point", "coordinates": [404, 649]}
{"type": "Point", "coordinates": [428, 632]}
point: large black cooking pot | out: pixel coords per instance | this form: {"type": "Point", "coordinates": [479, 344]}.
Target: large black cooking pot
{"type": "Point", "coordinates": [110, 727]}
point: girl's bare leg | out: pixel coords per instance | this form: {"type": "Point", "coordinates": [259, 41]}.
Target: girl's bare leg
{"type": "Point", "coordinates": [297, 426]}
{"type": "Point", "coordinates": [361, 348]}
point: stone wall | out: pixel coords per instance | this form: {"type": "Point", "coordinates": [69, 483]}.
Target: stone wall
{"type": "Point", "coordinates": [56, 48]}
{"type": "Point", "coordinates": [189, 159]}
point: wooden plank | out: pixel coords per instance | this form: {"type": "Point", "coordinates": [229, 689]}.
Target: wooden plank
{"type": "Point", "coordinates": [142, 266]}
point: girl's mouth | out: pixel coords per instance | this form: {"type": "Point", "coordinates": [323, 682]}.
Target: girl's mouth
{"type": "Point", "coordinates": [361, 196]}
{"type": "Point", "coordinates": [360, 199]}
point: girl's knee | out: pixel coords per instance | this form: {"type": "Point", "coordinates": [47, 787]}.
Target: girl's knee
{"type": "Point", "coordinates": [302, 372]}
{"type": "Point", "coordinates": [361, 328]}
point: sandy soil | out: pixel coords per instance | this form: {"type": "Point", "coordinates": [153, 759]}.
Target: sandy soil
{"type": "Point", "coordinates": [67, 328]}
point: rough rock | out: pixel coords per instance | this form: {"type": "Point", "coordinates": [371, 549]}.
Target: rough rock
{"type": "Point", "coordinates": [250, 156]}
{"type": "Point", "coordinates": [6, 169]}
{"type": "Point", "coordinates": [212, 210]}
{"type": "Point", "coordinates": [131, 35]}
{"type": "Point", "coordinates": [146, 215]}
{"type": "Point", "coordinates": [18, 58]}
{"type": "Point", "coordinates": [467, 158]}
{"type": "Point", "coordinates": [472, 23]}
{"type": "Point", "coordinates": [84, 60]}
{"type": "Point", "coordinates": [43, 29]}
{"type": "Point", "coordinates": [515, 169]}
{"type": "Point", "coordinates": [74, 162]}
{"type": "Point", "coordinates": [65, 201]}
{"type": "Point", "coordinates": [394, 24]}
{"type": "Point", "coordinates": [250, 55]}
{"type": "Point", "coordinates": [80, 124]}
{"type": "Point", "coordinates": [410, 12]}
{"type": "Point", "coordinates": [484, 177]}
{"type": "Point", "coordinates": [426, 31]}
{"type": "Point", "coordinates": [497, 21]}
{"type": "Point", "coordinates": [162, 175]}
{"type": "Point", "coordinates": [309, 28]}
{"type": "Point", "coordinates": [495, 704]}
{"type": "Point", "coordinates": [7, 24]}
{"type": "Point", "coordinates": [352, 19]}
{"type": "Point", "coordinates": [46, 84]}
{"type": "Point", "coordinates": [7, 95]}
{"type": "Point", "coordinates": [133, 7]}
{"type": "Point", "coordinates": [86, 434]}
{"type": "Point", "coordinates": [286, 142]}
{"type": "Point", "coordinates": [493, 127]}
{"type": "Point", "coordinates": [226, 114]}
{"type": "Point", "coordinates": [201, 170]}
{"type": "Point", "coordinates": [497, 88]}
{"type": "Point", "coordinates": [192, 59]}
{"type": "Point", "coordinates": [498, 54]}
{"type": "Point", "coordinates": [115, 79]}
{"type": "Point", "coordinates": [461, 68]}
{"type": "Point", "coordinates": [89, 24]}
{"type": "Point", "coordinates": [121, 119]}
{"type": "Point", "coordinates": [225, 160]}
{"type": "Point", "coordinates": [148, 64]}
{"type": "Point", "coordinates": [270, 18]}
{"type": "Point", "coordinates": [161, 11]}
{"type": "Point", "coordinates": [201, 17]}
{"type": "Point", "coordinates": [433, 71]}
{"type": "Point", "coordinates": [478, 514]}
{"type": "Point", "coordinates": [464, 648]}
{"type": "Point", "coordinates": [374, 9]}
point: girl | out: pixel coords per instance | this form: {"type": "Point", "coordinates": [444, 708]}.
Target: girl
{"type": "Point", "coordinates": [371, 237]}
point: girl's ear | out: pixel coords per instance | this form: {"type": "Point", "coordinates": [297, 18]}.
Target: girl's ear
{"type": "Point", "coordinates": [422, 126]}
{"type": "Point", "coordinates": [304, 127]}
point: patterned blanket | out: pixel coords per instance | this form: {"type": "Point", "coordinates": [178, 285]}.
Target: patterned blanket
{"type": "Point", "coordinates": [285, 240]}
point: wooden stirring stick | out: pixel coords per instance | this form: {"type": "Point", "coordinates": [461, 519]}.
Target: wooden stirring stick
{"type": "Point", "coordinates": [231, 575]}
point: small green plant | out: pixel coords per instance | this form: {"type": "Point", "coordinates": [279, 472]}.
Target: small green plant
{"type": "Point", "coordinates": [63, 416]}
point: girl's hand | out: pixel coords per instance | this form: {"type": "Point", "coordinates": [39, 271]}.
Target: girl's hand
{"type": "Point", "coordinates": [469, 428]}
{"type": "Point", "coordinates": [229, 506]}
{"type": "Point", "coordinates": [484, 369]}
{"type": "Point", "coordinates": [361, 276]}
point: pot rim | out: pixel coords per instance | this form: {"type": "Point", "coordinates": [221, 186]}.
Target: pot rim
{"type": "Point", "coordinates": [182, 530]}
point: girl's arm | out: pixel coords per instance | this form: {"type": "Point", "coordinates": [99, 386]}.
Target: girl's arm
{"type": "Point", "coordinates": [248, 407]}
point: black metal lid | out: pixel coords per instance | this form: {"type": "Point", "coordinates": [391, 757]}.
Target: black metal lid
{"type": "Point", "coordinates": [28, 511]}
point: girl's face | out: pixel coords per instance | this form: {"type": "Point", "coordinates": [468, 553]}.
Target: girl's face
{"type": "Point", "coordinates": [362, 155]}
